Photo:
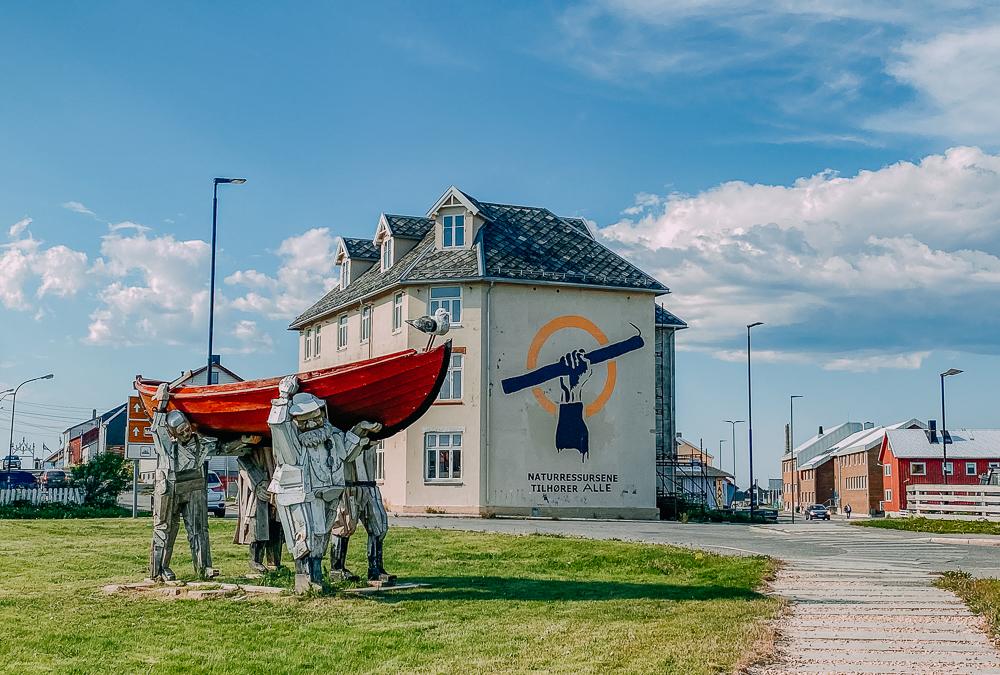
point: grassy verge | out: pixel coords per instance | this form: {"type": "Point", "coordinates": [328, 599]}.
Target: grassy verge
{"type": "Point", "coordinates": [981, 595]}
{"type": "Point", "coordinates": [936, 525]}
{"type": "Point", "coordinates": [496, 602]}
{"type": "Point", "coordinates": [55, 511]}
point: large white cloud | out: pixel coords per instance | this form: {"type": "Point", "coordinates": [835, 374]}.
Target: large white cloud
{"type": "Point", "coordinates": [885, 265]}
{"type": "Point", "coordinates": [26, 262]}
{"type": "Point", "coordinates": [306, 272]}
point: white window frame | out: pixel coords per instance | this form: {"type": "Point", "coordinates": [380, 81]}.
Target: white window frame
{"type": "Point", "coordinates": [948, 468]}
{"type": "Point", "coordinates": [887, 469]}
{"type": "Point", "coordinates": [449, 223]}
{"type": "Point", "coordinates": [316, 341]}
{"type": "Point", "coordinates": [971, 465]}
{"type": "Point", "coordinates": [342, 332]}
{"type": "Point", "coordinates": [454, 374]}
{"type": "Point", "coordinates": [888, 494]}
{"type": "Point", "coordinates": [923, 468]}
{"type": "Point", "coordinates": [345, 273]}
{"type": "Point", "coordinates": [366, 324]}
{"type": "Point", "coordinates": [386, 253]}
{"type": "Point", "coordinates": [994, 465]}
{"type": "Point", "coordinates": [447, 303]}
{"type": "Point", "coordinates": [380, 461]}
{"type": "Point", "coordinates": [436, 447]}
{"type": "Point", "coordinates": [397, 312]}
{"type": "Point", "coordinates": [307, 344]}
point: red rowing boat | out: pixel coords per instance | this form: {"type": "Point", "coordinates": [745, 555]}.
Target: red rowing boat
{"type": "Point", "coordinates": [395, 390]}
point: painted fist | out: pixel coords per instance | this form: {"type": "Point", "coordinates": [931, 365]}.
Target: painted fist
{"type": "Point", "coordinates": [288, 386]}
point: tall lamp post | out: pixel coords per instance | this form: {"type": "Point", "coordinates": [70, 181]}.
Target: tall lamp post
{"type": "Point", "coordinates": [211, 297]}
{"type": "Point", "coordinates": [791, 443]}
{"type": "Point", "coordinates": [734, 423]}
{"type": "Point", "coordinates": [944, 425]}
{"type": "Point", "coordinates": [753, 490]}
{"type": "Point", "coordinates": [13, 406]}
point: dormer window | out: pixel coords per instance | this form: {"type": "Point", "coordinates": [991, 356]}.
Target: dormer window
{"type": "Point", "coordinates": [453, 231]}
{"type": "Point", "coordinates": [386, 253]}
{"type": "Point", "coordinates": [345, 273]}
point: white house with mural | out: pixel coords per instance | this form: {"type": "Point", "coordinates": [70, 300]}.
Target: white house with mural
{"type": "Point", "coordinates": [526, 289]}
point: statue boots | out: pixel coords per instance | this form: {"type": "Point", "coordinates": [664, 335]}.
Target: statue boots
{"type": "Point", "coordinates": [308, 574]}
{"type": "Point", "coordinates": [376, 572]}
{"type": "Point", "coordinates": [338, 560]}
{"type": "Point", "coordinates": [158, 569]}
{"type": "Point", "coordinates": [257, 549]}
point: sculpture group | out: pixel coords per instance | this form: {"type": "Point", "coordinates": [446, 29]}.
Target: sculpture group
{"type": "Point", "coordinates": [313, 483]}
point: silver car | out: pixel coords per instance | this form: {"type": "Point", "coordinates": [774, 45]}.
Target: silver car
{"type": "Point", "coordinates": [216, 495]}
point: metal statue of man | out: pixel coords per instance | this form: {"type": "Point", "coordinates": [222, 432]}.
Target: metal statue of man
{"type": "Point", "coordinates": [257, 523]}
{"type": "Point", "coordinates": [309, 479]}
{"type": "Point", "coordinates": [179, 490]}
{"type": "Point", "coordinates": [362, 500]}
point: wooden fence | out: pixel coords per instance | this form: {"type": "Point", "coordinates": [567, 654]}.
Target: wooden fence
{"type": "Point", "coordinates": [958, 502]}
{"type": "Point", "coordinates": [41, 495]}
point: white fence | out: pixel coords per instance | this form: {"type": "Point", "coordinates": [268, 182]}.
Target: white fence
{"type": "Point", "coordinates": [959, 502]}
{"type": "Point", "coordinates": [41, 495]}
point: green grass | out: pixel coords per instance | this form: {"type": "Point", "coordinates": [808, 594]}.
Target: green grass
{"type": "Point", "coordinates": [937, 525]}
{"type": "Point", "coordinates": [56, 511]}
{"type": "Point", "coordinates": [981, 595]}
{"type": "Point", "coordinates": [495, 602]}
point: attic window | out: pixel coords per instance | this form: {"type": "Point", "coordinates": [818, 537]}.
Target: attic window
{"type": "Point", "coordinates": [453, 232]}
{"type": "Point", "coordinates": [386, 253]}
{"type": "Point", "coordinates": [345, 273]}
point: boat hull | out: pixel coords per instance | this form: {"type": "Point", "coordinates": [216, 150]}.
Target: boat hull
{"type": "Point", "coordinates": [394, 390]}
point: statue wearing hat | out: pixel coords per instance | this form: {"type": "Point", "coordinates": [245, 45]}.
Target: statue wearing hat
{"type": "Point", "coordinates": [179, 490]}
{"type": "Point", "coordinates": [308, 480]}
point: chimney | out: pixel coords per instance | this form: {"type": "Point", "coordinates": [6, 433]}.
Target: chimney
{"type": "Point", "coordinates": [820, 430]}
{"type": "Point", "coordinates": [93, 413]}
{"type": "Point", "coordinates": [788, 440]}
{"type": "Point", "coordinates": [869, 425]}
{"type": "Point", "coordinates": [932, 436]}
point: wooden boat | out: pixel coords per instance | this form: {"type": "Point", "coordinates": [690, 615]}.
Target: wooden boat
{"type": "Point", "coordinates": [395, 390]}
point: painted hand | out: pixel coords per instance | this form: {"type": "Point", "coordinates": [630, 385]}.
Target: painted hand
{"type": "Point", "coordinates": [579, 372]}
{"type": "Point", "coordinates": [362, 429]}
{"type": "Point", "coordinates": [288, 386]}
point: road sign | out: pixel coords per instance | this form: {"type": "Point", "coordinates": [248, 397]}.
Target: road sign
{"type": "Point", "coordinates": [138, 440]}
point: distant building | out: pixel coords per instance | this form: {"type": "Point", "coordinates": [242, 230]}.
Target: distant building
{"type": "Point", "coordinates": [815, 478]}
{"type": "Point", "coordinates": [857, 473]}
{"type": "Point", "coordinates": [916, 457]}
{"type": "Point", "coordinates": [689, 452]}
{"type": "Point", "coordinates": [84, 441]}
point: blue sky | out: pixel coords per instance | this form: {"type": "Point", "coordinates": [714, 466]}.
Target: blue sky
{"type": "Point", "coordinates": [830, 171]}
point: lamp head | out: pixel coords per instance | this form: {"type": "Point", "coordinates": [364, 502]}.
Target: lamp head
{"type": "Point", "coordinates": [797, 396]}
{"type": "Point", "coordinates": [951, 371]}
{"type": "Point", "coordinates": [233, 181]}
{"type": "Point", "coordinates": [48, 377]}
{"type": "Point", "coordinates": [755, 324]}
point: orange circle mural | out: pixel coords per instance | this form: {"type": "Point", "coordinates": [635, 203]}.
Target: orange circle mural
{"type": "Point", "coordinates": [548, 330]}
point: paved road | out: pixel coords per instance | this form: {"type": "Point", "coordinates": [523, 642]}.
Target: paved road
{"type": "Point", "coordinates": [862, 598]}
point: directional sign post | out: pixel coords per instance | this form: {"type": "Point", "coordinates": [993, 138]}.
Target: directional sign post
{"type": "Point", "coordinates": [138, 444]}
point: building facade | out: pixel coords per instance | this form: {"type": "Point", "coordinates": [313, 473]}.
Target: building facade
{"type": "Point", "coordinates": [801, 460]}
{"type": "Point", "coordinates": [523, 287]}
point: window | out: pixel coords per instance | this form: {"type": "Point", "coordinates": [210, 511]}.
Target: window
{"type": "Point", "coordinates": [366, 323]}
{"type": "Point", "coordinates": [345, 274]}
{"type": "Point", "coordinates": [386, 253]}
{"type": "Point", "coordinates": [451, 390]}
{"type": "Point", "coordinates": [307, 345]}
{"type": "Point", "coordinates": [995, 466]}
{"type": "Point", "coordinates": [887, 470]}
{"type": "Point", "coordinates": [453, 232]}
{"type": "Point", "coordinates": [342, 332]}
{"type": "Point", "coordinates": [918, 469]}
{"type": "Point", "coordinates": [397, 311]}
{"type": "Point", "coordinates": [443, 456]}
{"type": "Point", "coordinates": [215, 376]}
{"type": "Point", "coordinates": [888, 495]}
{"type": "Point", "coordinates": [949, 469]}
{"type": "Point", "coordinates": [449, 298]}
{"type": "Point", "coordinates": [380, 461]}
{"type": "Point", "coordinates": [316, 341]}
{"type": "Point", "coordinates": [970, 469]}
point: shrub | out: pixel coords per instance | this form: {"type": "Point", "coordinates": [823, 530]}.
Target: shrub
{"type": "Point", "coordinates": [103, 478]}
{"type": "Point", "coordinates": [23, 510]}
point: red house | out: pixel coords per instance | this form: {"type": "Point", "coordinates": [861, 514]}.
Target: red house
{"type": "Point", "coordinates": [916, 457]}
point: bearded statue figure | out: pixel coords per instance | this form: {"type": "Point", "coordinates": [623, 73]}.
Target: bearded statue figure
{"type": "Point", "coordinates": [179, 490]}
{"type": "Point", "coordinates": [308, 480]}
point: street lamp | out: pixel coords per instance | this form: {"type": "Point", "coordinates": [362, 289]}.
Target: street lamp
{"type": "Point", "coordinates": [791, 444]}
{"type": "Point", "coordinates": [753, 491]}
{"type": "Point", "coordinates": [13, 406]}
{"type": "Point", "coordinates": [734, 423]}
{"type": "Point", "coordinates": [211, 297]}
{"type": "Point", "coordinates": [944, 425]}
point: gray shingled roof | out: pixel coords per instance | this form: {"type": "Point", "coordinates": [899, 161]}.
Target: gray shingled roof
{"type": "Point", "coordinates": [580, 224]}
{"type": "Point", "coordinates": [516, 242]}
{"type": "Point", "coordinates": [408, 227]}
{"type": "Point", "coordinates": [966, 444]}
{"type": "Point", "coordinates": [360, 249]}
{"type": "Point", "coordinates": [665, 318]}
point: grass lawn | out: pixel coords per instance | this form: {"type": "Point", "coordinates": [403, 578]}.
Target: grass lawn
{"type": "Point", "coordinates": [981, 595]}
{"type": "Point", "coordinates": [496, 602]}
{"type": "Point", "coordinates": [938, 525]}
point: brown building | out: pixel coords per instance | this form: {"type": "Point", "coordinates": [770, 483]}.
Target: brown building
{"type": "Point", "coordinates": [818, 446]}
{"type": "Point", "coordinates": [857, 471]}
{"type": "Point", "coordinates": [816, 482]}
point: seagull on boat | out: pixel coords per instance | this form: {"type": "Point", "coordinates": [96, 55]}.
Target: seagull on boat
{"type": "Point", "coordinates": [439, 324]}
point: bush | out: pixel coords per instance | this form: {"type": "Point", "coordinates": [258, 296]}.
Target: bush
{"type": "Point", "coordinates": [23, 510]}
{"type": "Point", "coordinates": [103, 478]}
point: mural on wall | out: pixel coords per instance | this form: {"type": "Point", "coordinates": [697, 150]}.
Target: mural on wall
{"type": "Point", "coordinates": [573, 371]}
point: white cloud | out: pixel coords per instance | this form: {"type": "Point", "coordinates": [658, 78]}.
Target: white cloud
{"type": "Point", "coordinates": [20, 226]}
{"type": "Point", "coordinates": [894, 262]}
{"type": "Point", "coordinates": [128, 225]}
{"type": "Point", "coordinates": [77, 207]}
{"type": "Point", "coordinates": [57, 270]}
{"type": "Point", "coordinates": [249, 339]}
{"type": "Point", "coordinates": [305, 274]}
{"type": "Point", "coordinates": [860, 363]}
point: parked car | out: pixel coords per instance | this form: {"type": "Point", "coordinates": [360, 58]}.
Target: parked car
{"type": "Point", "coordinates": [817, 512]}
{"type": "Point", "coordinates": [17, 479]}
{"type": "Point", "coordinates": [54, 478]}
{"type": "Point", "coordinates": [216, 495]}
{"type": "Point", "coordinates": [11, 462]}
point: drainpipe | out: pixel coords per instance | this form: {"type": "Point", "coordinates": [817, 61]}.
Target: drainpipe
{"type": "Point", "coordinates": [488, 370]}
